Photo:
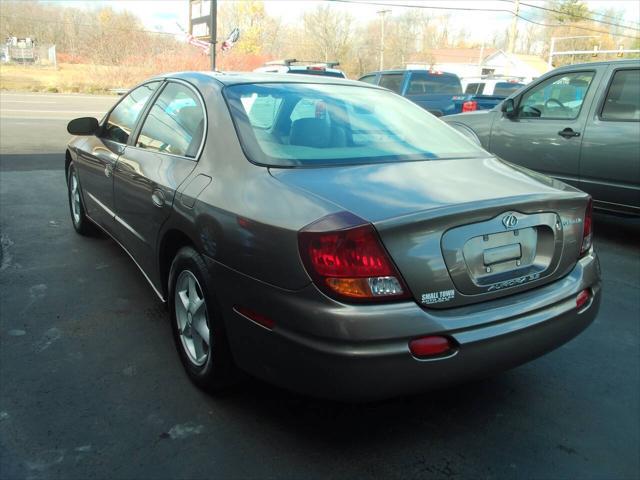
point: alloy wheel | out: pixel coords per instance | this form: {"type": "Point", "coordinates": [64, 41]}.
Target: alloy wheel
{"type": "Point", "coordinates": [191, 317]}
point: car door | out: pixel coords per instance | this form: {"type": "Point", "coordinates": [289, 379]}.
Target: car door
{"type": "Point", "coordinates": [161, 153]}
{"type": "Point", "coordinates": [545, 134]}
{"type": "Point", "coordinates": [610, 161]}
{"type": "Point", "coordinates": [98, 155]}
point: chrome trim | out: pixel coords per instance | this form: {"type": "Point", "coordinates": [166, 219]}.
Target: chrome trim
{"type": "Point", "coordinates": [162, 299]}
{"type": "Point", "coordinates": [130, 228]}
{"type": "Point", "coordinates": [104, 207]}
{"type": "Point", "coordinates": [118, 219]}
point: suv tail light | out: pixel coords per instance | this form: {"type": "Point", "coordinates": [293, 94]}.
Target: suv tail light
{"type": "Point", "coordinates": [587, 232]}
{"type": "Point", "coordinates": [346, 259]}
{"type": "Point", "coordinates": [469, 106]}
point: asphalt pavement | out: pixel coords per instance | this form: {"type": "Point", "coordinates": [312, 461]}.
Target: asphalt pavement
{"type": "Point", "coordinates": [91, 385]}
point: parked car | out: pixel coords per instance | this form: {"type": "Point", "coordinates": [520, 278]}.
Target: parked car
{"type": "Point", "coordinates": [440, 93]}
{"type": "Point", "coordinates": [291, 65]}
{"type": "Point", "coordinates": [489, 91]}
{"type": "Point", "coordinates": [579, 123]}
{"type": "Point", "coordinates": [330, 236]}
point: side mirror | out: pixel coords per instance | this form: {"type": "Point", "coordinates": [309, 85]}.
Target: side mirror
{"type": "Point", "coordinates": [509, 108]}
{"type": "Point", "coordinates": [83, 126]}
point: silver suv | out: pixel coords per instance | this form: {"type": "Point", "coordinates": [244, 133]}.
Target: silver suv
{"type": "Point", "coordinates": [291, 65]}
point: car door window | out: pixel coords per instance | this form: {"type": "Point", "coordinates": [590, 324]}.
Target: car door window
{"type": "Point", "coordinates": [559, 97]}
{"type": "Point", "coordinates": [175, 123]}
{"type": "Point", "coordinates": [124, 116]}
{"type": "Point", "coordinates": [623, 98]}
{"type": "Point", "coordinates": [369, 79]}
{"type": "Point", "coordinates": [392, 81]}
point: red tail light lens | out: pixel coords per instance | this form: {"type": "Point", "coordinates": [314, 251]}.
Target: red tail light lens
{"type": "Point", "coordinates": [469, 106]}
{"type": "Point", "coordinates": [345, 258]}
{"type": "Point", "coordinates": [587, 232]}
{"type": "Point", "coordinates": [430, 346]}
{"type": "Point", "coordinates": [582, 298]}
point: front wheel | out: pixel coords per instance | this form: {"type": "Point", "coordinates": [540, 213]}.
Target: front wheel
{"type": "Point", "coordinates": [81, 223]}
{"type": "Point", "coordinates": [197, 325]}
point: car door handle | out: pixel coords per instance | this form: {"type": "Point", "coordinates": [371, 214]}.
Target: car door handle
{"type": "Point", "coordinates": [157, 197]}
{"type": "Point", "coordinates": [568, 133]}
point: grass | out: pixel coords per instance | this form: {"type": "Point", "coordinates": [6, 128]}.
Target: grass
{"type": "Point", "coordinates": [69, 78]}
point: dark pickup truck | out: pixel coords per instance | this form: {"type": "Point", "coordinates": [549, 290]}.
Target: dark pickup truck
{"type": "Point", "coordinates": [439, 93]}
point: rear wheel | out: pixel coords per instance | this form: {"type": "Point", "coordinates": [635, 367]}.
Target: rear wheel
{"type": "Point", "coordinates": [197, 325]}
{"type": "Point", "coordinates": [81, 223]}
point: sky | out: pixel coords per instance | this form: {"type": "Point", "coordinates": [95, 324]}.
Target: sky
{"type": "Point", "coordinates": [165, 15]}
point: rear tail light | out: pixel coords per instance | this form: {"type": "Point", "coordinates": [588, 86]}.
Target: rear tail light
{"type": "Point", "coordinates": [587, 232]}
{"type": "Point", "coordinates": [469, 106]}
{"type": "Point", "coordinates": [345, 258]}
{"type": "Point", "coordinates": [432, 346]}
{"type": "Point", "coordinates": [317, 69]}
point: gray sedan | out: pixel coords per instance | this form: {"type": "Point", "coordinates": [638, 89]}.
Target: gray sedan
{"type": "Point", "coordinates": [331, 237]}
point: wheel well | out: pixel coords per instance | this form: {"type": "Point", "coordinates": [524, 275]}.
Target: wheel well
{"type": "Point", "coordinates": [67, 161]}
{"type": "Point", "coordinates": [172, 241]}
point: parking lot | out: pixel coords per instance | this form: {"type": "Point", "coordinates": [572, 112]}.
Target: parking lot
{"type": "Point", "coordinates": [91, 385]}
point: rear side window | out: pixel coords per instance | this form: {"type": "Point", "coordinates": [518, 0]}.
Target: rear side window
{"type": "Point", "coordinates": [124, 116]}
{"type": "Point", "coordinates": [392, 81]}
{"type": "Point", "coordinates": [175, 123]}
{"type": "Point", "coordinates": [623, 98]}
{"type": "Point", "coordinates": [474, 88]}
{"type": "Point", "coordinates": [505, 89]}
{"type": "Point", "coordinates": [369, 79]}
{"type": "Point", "coordinates": [433, 83]}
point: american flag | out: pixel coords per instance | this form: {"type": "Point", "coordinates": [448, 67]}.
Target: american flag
{"type": "Point", "coordinates": [204, 46]}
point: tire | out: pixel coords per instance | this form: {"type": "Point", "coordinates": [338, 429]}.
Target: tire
{"type": "Point", "coordinates": [195, 314]}
{"type": "Point", "coordinates": [81, 223]}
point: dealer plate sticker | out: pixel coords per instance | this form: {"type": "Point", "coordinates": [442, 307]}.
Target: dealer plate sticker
{"type": "Point", "coordinates": [438, 297]}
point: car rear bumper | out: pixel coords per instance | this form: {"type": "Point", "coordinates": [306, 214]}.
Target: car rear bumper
{"type": "Point", "coordinates": [347, 356]}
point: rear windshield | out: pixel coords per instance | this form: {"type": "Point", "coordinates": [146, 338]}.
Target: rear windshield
{"type": "Point", "coordinates": [423, 83]}
{"type": "Point", "coordinates": [297, 124]}
{"type": "Point", "coordinates": [506, 88]}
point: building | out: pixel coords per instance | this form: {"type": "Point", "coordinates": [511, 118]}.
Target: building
{"type": "Point", "coordinates": [474, 62]}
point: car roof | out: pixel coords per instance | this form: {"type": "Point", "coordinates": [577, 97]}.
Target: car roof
{"type": "Point", "coordinates": [627, 61]}
{"type": "Point", "coordinates": [236, 78]}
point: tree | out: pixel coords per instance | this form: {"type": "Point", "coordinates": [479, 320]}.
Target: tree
{"type": "Point", "coordinates": [329, 31]}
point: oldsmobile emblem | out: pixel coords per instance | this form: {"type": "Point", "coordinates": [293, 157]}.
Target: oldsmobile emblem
{"type": "Point", "coordinates": [509, 221]}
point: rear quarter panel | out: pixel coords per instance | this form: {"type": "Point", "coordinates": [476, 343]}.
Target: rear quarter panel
{"type": "Point", "coordinates": [244, 219]}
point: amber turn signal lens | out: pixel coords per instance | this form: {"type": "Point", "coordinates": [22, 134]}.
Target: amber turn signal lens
{"type": "Point", "coordinates": [350, 287]}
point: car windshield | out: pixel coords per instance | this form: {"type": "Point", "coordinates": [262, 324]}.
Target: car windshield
{"type": "Point", "coordinates": [298, 124]}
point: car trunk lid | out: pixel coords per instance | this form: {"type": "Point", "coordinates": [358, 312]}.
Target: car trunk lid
{"type": "Point", "coordinates": [459, 231]}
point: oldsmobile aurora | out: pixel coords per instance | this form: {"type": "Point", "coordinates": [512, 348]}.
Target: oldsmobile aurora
{"type": "Point", "coordinates": [331, 237]}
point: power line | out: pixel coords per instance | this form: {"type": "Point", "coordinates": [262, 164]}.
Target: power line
{"type": "Point", "coordinates": [577, 27]}
{"type": "Point", "coordinates": [427, 7]}
{"type": "Point", "coordinates": [510, 12]}
{"type": "Point", "coordinates": [604, 22]}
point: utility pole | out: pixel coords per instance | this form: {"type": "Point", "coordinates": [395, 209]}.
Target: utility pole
{"type": "Point", "coordinates": [514, 27]}
{"type": "Point", "coordinates": [213, 32]}
{"type": "Point", "coordinates": [382, 14]}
